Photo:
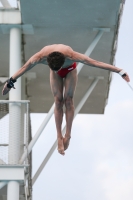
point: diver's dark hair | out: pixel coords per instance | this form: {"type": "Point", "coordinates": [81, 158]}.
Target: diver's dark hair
{"type": "Point", "coordinates": [55, 60]}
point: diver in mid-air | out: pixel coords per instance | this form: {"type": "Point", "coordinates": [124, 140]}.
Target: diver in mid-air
{"type": "Point", "coordinates": [62, 61]}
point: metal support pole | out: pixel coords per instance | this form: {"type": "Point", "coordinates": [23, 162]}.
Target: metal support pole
{"type": "Point", "coordinates": [46, 120]}
{"type": "Point", "coordinates": [90, 48]}
{"type": "Point", "coordinates": [22, 130]}
{"type": "Point", "coordinates": [50, 113]}
{"type": "Point", "coordinates": [6, 4]}
{"type": "Point", "coordinates": [23, 109]}
{"type": "Point", "coordinates": [14, 111]}
{"type": "Point", "coordinates": [78, 108]}
{"type": "Point", "coordinates": [84, 99]}
{"type": "Point", "coordinates": [13, 190]}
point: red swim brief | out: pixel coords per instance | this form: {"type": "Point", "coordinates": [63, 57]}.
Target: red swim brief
{"type": "Point", "coordinates": [64, 71]}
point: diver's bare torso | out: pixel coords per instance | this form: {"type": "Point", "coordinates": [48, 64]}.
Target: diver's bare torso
{"type": "Point", "coordinates": [66, 50]}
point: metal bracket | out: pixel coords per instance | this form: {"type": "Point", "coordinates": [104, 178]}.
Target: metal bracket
{"type": "Point", "coordinates": [26, 29]}
{"type": "Point", "coordinates": [13, 172]}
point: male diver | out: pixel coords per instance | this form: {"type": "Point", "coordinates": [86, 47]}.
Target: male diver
{"type": "Point", "coordinates": [61, 60]}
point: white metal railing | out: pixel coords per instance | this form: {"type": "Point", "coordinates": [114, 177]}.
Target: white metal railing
{"type": "Point", "coordinates": [8, 111]}
{"type": "Point", "coordinates": [4, 128]}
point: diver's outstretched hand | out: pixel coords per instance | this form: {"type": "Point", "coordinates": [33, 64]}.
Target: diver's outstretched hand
{"type": "Point", "coordinates": [124, 75]}
{"type": "Point", "coordinates": [8, 85]}
{"type": "Point", "coordinates": [6, 89]}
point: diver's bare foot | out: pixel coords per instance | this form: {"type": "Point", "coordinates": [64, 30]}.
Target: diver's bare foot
{"type": "Point", "coordinates": [66, 141]}
{"type": "Point", "coordinates": [61, 146]}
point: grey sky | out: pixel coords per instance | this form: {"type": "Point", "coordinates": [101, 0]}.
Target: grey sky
{"type": "Point", "coordinates": [99, 162]}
